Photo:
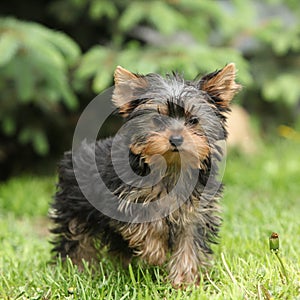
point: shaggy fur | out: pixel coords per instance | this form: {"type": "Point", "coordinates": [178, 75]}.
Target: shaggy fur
{"type": "Point", "coordinates": [170, 115]}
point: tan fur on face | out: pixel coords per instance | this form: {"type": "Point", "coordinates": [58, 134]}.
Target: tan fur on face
{"type": "Point", "coordinates": [194, 149]}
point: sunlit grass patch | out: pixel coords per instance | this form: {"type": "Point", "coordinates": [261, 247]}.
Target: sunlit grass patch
{"type": "Point", "coordinates": [261, 197]}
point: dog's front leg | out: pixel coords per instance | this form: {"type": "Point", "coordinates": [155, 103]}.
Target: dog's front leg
{"type": "Point", "coordinates": [148, 240]}
{"type": "Point", "coordinates": [187, 257]}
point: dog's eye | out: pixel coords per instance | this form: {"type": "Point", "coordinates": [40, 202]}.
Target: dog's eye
{"type": "Point", "coordinates": [193, 120]}
{"type": "Point", "coordinates": [158, 122]}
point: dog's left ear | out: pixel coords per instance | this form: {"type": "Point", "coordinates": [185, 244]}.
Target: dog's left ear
{"type": "Point", "coordinates": [126, 86]}
{"type": "Point", "coordinates": [221, 85]}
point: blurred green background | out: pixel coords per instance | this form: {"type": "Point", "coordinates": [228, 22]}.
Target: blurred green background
{"type": "Point", "coordinates": [56, 55]}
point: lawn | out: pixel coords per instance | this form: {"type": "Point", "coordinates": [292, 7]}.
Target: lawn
{"type": "Point", "coordinates": [261, 197]}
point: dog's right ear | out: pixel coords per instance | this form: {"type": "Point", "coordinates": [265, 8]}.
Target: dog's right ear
{"type": "Point", "coordinates": [126, 86]}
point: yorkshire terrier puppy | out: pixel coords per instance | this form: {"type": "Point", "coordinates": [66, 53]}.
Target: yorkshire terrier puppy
{"type": "Point", "coordinates": [174, 131]}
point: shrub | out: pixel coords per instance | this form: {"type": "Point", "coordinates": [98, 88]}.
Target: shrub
{"type": "Point", "coordinates": [35, 66]}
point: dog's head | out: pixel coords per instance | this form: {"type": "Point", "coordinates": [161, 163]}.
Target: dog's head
{"type": "Point", "coordinates": [172, 117]}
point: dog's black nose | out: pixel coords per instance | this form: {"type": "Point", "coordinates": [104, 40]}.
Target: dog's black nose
{"type": "Point", "coordinates": [176, 140]}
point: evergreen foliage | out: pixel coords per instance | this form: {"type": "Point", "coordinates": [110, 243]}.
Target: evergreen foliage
{"type": "Point", "coordinates": [46, 75]}
{"type": "Point", "coordinates": [34, 72]}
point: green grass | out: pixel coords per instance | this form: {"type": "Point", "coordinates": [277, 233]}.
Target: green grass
{"type": "Point", "coordinates": [261, 196]}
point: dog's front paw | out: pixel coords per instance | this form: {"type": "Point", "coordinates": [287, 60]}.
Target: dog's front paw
{"type": "Point", "coordinates": [182, 279]}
